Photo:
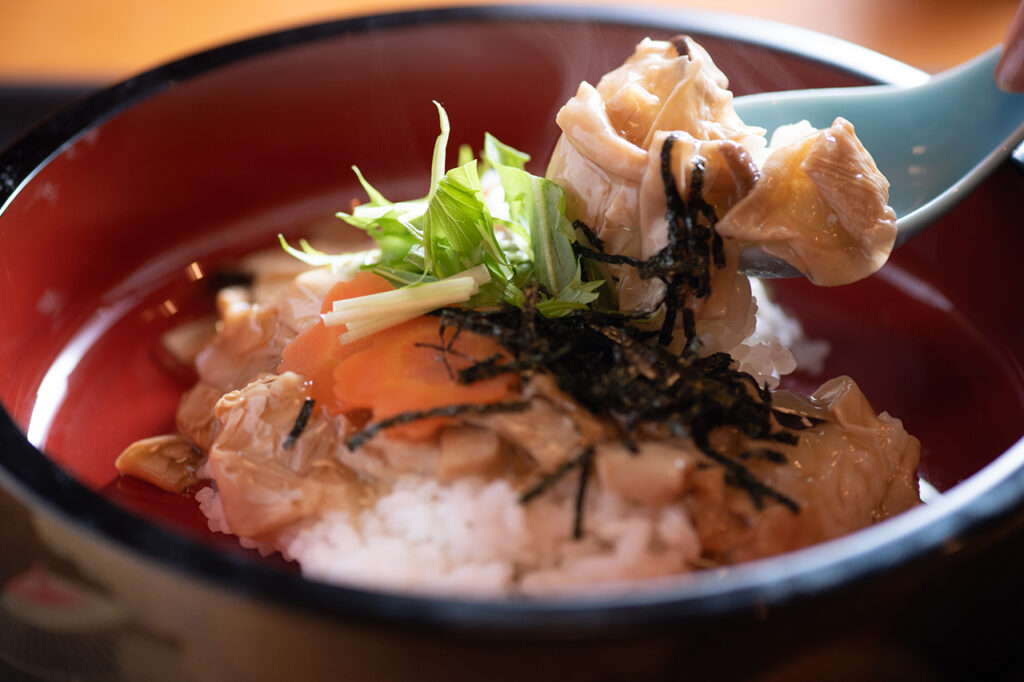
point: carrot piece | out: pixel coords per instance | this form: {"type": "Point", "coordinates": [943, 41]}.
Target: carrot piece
{"type": "Point", "coordinates": [405, 370]}
{"type": "Point", "coordinates": [315, 352]}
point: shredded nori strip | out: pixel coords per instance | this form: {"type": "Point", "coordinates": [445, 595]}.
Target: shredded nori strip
{"type": "Point", "coordinates": [765, 454]}
{"type": "Point", "coordinates": [679, 43]}
{"type": "Point", "coordinates": [586, 467]}
{"type": "Point", "coordinates": [553, 477]}
{"type": "Point", "coordinates": [584, 461]}
{"type": "Point", "coordinates": [300, 424]}
{"type": "Point", "coordinates": [369, 431]}
{"type": "Point", "coordinates": [685, 263]}
{"type": "Point", "coordinates": [794, 421]}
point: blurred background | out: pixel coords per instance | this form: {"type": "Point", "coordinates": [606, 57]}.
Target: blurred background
{"type": "Point", "coordinates": [98, 41]}
{"type": "Point", "coordinates": [55, 50]}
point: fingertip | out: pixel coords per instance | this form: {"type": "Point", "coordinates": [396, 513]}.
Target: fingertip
{"type": "Point", "coordinates": [1009, 71]}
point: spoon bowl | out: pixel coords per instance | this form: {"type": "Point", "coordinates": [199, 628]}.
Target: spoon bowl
{"type": "Point", "coordinates": [934, 141]}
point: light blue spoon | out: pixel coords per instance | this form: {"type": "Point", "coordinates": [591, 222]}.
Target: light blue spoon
{"type": "Point", "coordinates": [935, 142]}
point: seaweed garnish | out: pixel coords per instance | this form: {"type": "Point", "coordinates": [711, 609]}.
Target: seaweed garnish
{"type": "Point", "coordinates": [685, 263]}
{"type": "Point", "coordinates": [370, 430]}
{"type": "Point", "coordinates": [611, 368]}
{"type": "Point", "coordinates": [584, 461]}
{"type": "Point", "coordinates": [547, 481]}
{"type": "Point", "coordinates": [766, 454]}
{"type": "Point", "coordinates": [795, 421]}
{"type": "Point", "coordinates": [622, 373]}
{"type": "Point", "coordinates": [305, 412]}
{"type": "Point", "coordinates": [586, 467]}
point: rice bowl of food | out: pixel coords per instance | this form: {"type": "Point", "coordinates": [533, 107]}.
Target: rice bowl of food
{"type": "Point", "coordinates": [499, 393]}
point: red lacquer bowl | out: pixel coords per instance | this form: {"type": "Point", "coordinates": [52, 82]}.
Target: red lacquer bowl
{"type": "Point", "coordinates": [116, 210]}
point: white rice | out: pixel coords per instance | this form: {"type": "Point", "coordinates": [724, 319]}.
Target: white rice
{"type": "Point", "coordinates": [474, 537]}
{"type": "Point", "coordinates": [778, 345]}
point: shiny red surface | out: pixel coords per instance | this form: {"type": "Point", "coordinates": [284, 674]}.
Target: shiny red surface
{"type": "Point", "coordinates": [215, 166]}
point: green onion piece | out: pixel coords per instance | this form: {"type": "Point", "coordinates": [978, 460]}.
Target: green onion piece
{"type": "Point", "coordinates": [423, 298]}
{"type": "Point", "coordinates": [366, 315]}
{"type": "Point", "coordinates": [359, 330]}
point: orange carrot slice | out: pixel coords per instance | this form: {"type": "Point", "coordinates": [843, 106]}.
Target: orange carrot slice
{"type": "Point", "coordinates": [316, 351]}
{"type": "Point", "coordinates": [405, 369]}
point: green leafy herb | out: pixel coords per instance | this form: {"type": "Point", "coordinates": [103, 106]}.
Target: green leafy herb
{"type": "Point", "coordinates": [349, 262]}
{"type": "Point", "coordinates": [537, 205]}
{"type": "Point", "coordinates": [521, 239]}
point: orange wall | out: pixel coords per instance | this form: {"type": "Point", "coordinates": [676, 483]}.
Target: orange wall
{"type": "Point", "coordinates": [69, 40]}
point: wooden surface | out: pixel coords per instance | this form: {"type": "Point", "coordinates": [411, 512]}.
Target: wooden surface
{"type": "Point", "coordinates": [67, 41]}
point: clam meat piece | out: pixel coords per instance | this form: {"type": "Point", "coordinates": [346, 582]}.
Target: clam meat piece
{"type": "Point", "coordinates": [821, 205]}
{"type": "Point", "coordinates": [850, 469]}
{"type": "Point", "coordinates": [266, 479]}
{"type": "Point", "coordinates": [169, 462]}
{"type": "Point", "coordinates": [247, 345]}
{"type": "Point", "coordinates": [657, 473]}
{"type": "Point", "coordinates": [607, 132]}
{"type": "Point", "coordinates": [609, 162]}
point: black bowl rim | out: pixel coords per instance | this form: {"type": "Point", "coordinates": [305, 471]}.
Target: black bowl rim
{"type": "Point", "coordinates": [981, 502]}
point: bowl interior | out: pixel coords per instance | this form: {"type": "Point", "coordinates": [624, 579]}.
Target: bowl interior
{"type": "Point", "coordinates": [118, 237]}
